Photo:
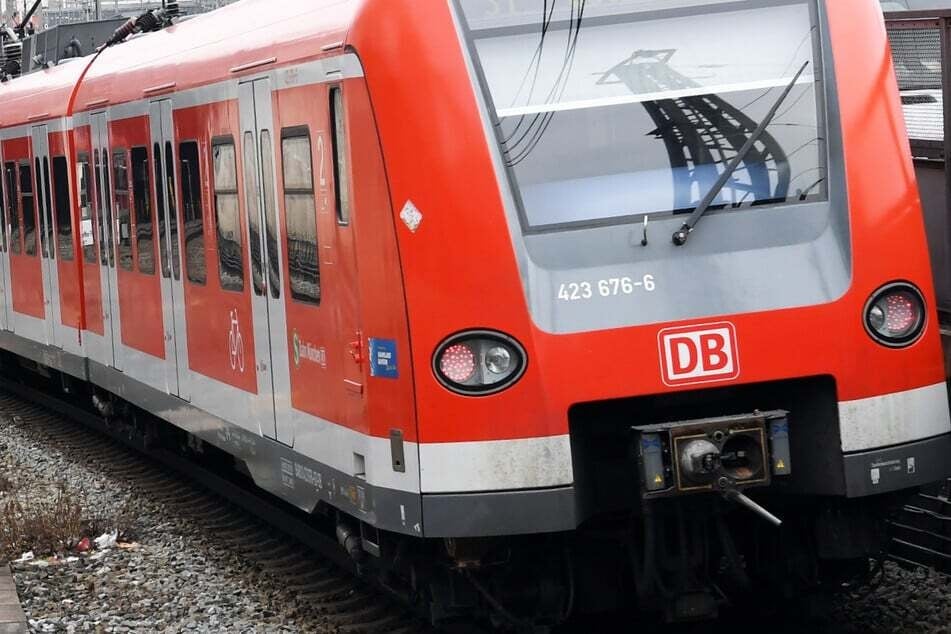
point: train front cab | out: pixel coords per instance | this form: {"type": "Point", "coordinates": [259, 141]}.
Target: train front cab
{"type": "Point", "coordinates": [554, 228]}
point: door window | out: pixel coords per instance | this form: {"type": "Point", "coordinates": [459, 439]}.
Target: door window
{"type": "Point", "coordinates": [252, 188]}
{"type": "Point", "coordinates": [3, 217]}
{"type": "Point", "coordinates": [341, 160]}
{"type": "Point", "coordinates": [106, 248]}
{"type": "Point", "coordinates": [142, 200]}
{"type": "Point", "coordinates": [123, 213]}
{"type": "Point", "coordinates": [49, 248]}
{"type": "Point", "coordinates": [172, 208]}
{"type": "Point", "coordinates": [270, 218]}
{"type": "Point", "coordinates": [195, 267]}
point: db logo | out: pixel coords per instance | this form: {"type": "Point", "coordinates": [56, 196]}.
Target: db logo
{"type": "Point", "coordinates": [699, 354]}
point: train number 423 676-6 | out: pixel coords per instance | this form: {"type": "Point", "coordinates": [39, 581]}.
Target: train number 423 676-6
{"type": "Point", "coordinates": [610, 287]}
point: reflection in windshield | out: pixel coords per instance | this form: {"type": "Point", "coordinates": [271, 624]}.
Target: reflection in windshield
{"type": "Point", "coordinates": [616, 113]}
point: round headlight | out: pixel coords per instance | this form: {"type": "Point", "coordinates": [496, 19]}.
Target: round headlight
{"type": "Point", "coordinates": [479, 362]}
{"type": "Point", "coordinates": [498, 360]}
{"type": "Point", "coordinates": [895, 315]}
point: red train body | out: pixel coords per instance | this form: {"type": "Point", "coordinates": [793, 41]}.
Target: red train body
{"type": "Point", "coordinates": [301, 231]}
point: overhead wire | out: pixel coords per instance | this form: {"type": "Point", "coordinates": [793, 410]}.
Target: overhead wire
{"type": "Point", "coordinates": [541, 121]}
{"type": "Point", "coordinates": [536, 62]}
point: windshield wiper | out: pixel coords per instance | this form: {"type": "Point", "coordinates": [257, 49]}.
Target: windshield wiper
{"type": "Point", "coordinates": [680, 236]}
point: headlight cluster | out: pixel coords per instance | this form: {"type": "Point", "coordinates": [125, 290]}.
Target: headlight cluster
{"type": "Point", "coordinates": [479, 362]}
{"type": "Point", "coordinates": [895, 315]}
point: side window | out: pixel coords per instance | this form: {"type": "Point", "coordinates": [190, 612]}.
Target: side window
{"type": "Point", "coordinates": [10, 172]}
{"type": "Point", "coordinates": [228, 227]}
{"type": "Point", "coordinates": [85, 202]}
{"type": "Point", "coordinates": [299, 203]}
{"type": "Point", "coordinates": [123, 213]}
{"type": "Point", "coordinates": [341, 156]}
{"type": "Point", "coordinates": [28, 207]}
{"type": "Point", "coordinates": [142, 199]}
{"type": "Point", "coordinates": [195, 267]}
{"type": "Point", "coordinates": [64, 221]}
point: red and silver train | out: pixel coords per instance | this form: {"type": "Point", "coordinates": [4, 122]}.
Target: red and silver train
{"type": "Point", "coordinates": [546, 306]}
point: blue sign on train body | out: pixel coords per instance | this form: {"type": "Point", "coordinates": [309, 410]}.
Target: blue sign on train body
{"type": "Point", "coordinates": [383, 363]}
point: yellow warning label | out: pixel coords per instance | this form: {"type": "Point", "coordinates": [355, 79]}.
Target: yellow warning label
{"type": "Point", "coordinates": [658, 479]}
{"type": "Point", "coordinates": [780, 464]}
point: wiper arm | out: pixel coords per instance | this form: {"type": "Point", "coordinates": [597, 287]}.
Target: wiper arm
{"type": "Point", "coordinates": [680, 236]}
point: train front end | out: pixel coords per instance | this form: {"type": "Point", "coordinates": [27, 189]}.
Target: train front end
{"type": "Point", "coordinates": [691, 341]}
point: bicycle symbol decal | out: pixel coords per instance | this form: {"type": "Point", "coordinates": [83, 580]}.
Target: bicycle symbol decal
{"type": "Point", "coordinates": [236, 344]}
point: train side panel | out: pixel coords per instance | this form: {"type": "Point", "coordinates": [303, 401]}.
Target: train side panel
{"type": "Point", "coordinates": [27, 277]}
{"type": "Point", "coordinates": [213, 296]}
{"type": "Point", "coordinates": [140, 298]}
{"type": "Point", "coordinates": [64, 243]}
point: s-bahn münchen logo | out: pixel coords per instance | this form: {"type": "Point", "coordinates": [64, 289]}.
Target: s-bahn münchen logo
{"type": "Point", "coordinates": [702, 353]}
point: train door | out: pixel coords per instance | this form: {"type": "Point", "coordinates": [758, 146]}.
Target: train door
{"type": "Point", "coordinates": [173, 287]}
{"type": "Point", "coordinates": [348, 297]}
{"type": "Point", "coordinates": [41, 171]}
{"type": "Point", "coordinates": [269, 311]}
{"type": "Point", "coordinates": [5, 322]}
{"type": "Point", "coordinates": [107, 227]}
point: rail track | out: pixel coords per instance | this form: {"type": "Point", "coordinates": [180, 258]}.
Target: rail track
{"type": "Point", "coordinates": [921, 532]}
{"type": "Point", "coordinates": [279, 543]}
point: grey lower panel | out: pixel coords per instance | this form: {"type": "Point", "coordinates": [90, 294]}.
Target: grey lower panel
{"type": "Point", "coordinates": [276, 468]}
{"type": "Point", "coordinates": [46, 355]}
{"type": "Point", "coordinates": [895, 468]}
{"type": "Point", "coordinates": [500, 513]}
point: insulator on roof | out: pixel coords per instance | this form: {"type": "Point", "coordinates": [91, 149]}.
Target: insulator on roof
{"type": "Point", "coordinates": [11, 62]}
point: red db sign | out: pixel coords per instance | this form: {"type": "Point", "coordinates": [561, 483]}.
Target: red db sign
{"type": "Point", "coordinates": [699, 354]}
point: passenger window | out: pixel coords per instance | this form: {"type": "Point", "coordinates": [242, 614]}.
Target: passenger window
{"type": "Point", "coordinates": [228, 226]}
{"type": "Point", "coordinates": [85, 203]}
{"type": "Point", "coordinates": [270, 218]}
{"type": "Point", "coordinates": [10, 171]}
{"type": "Point", "coordinates": [27, 206]}
{"type": "Point", "coordinates": [64, 221]}
{"type": "Point", "coordinates": [341, 158]}
{"type": "Point", "coordinates": [299, 203]}
{"type": "Point", "coordinates": [123, 214]}
{"type": "Point", "coordinates": [195, 267]}
{"type": "Point", "coordinates": [142, 199]}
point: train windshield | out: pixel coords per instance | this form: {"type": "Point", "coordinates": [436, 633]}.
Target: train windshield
{"type": "Point", "coordinates": [612, 110]}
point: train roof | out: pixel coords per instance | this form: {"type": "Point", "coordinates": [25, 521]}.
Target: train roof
{"type": "Point", "coordinates": [210, 47]}
{"type": "Point", "coordinates": [41, 95]}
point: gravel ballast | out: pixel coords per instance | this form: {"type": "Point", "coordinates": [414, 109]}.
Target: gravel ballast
{"type": "Point", "coordinates": [173, 577]}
